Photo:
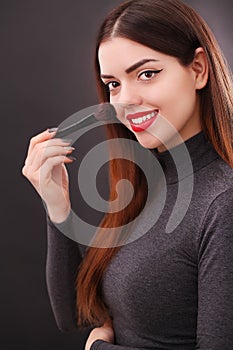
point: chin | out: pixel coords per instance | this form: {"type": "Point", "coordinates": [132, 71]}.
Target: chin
{"type": "Point", "coordinates": [150, 144]}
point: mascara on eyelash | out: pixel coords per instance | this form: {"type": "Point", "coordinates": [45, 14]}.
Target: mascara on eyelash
{"type": "Point", "coordinates": [156, 71]}
{"type": "Point", "coordinates": [151, 71]}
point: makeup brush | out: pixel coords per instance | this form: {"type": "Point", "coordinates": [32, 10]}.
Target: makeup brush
{"type": "Point", "coordinates": [105, 112]}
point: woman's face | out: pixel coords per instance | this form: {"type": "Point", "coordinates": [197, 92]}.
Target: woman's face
{"type": "Point", "coordinates": [153, 94]}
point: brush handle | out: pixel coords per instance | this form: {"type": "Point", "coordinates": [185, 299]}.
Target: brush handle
{"type": "Point", "coordinates": [105, 112]}
{"type": "Point", "coordinates": [86, 121]}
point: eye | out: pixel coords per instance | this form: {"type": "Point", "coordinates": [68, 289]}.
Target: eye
{"type": "Point", "coordinates": [148, 74]}
{"type": "Point", "coordinates": [112, 85]}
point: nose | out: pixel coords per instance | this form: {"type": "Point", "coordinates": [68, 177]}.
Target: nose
{"type": "Point", "coordinates": [129, 95]}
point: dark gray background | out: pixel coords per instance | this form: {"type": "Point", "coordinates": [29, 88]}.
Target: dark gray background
{"type": "Point", "coordinates": [46, 74]}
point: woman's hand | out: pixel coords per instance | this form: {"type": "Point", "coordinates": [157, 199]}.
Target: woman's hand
{"type": "Point", "coordinates": [44, 168]}
{"type": "Point", "coordinates": [105, 333]}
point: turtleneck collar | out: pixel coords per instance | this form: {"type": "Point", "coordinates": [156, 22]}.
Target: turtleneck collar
{"type": "Point", "coordinates": [197, 155]}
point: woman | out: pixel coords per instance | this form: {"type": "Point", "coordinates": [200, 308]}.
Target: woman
{"type": "Point", "coordinates": [167, 289]}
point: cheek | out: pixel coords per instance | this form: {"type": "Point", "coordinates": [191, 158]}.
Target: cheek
{"type": "Point", "coordinates": [185, 99]}
{"type": "Point", "coordinates": [176, 97]}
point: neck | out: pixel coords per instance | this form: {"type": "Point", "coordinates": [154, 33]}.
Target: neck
{"type": "Point", "coordinates": [186, 158]}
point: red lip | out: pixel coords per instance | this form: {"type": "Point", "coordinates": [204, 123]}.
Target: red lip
{"type": "Point", "coordinates": [143, 126]}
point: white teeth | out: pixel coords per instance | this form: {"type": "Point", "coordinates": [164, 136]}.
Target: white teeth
{"type": "Point", "coordinates": [143, 119]}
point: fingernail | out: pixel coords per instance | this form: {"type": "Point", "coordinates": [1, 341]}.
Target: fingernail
{"type": "Point", "coordinates": [69, 148]}
{"type": "Point", "coordinates": [52, 130]}
{"type": "Point", "coordinates": [71, 158]}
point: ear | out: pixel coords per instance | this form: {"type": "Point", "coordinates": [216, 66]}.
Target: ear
{"type": "Point", "coordinates": [200, 68]}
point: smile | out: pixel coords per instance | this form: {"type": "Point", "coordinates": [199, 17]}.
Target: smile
{"type": "Point", "coordinates": [141, 121]}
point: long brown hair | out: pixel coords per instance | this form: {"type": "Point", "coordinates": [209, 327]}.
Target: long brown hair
{"type": "Point", "coordinates": [175, 29]}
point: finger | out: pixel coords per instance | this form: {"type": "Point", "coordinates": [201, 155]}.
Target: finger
{"type": "Point", "coordinates": [39, 147]}
{"type": "Point", "coordinates": [43, 136]}
{"type": "Point", "coordinates": [49, 152]}
{"type": "Point", "coordinates": [48, 135]}
{"type": "Point", "coordinates": [39, 159]}
{"type": "Point", "coordinates": [45, 172]}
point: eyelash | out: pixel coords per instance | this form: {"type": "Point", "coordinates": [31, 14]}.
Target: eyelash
{"type": "Point", "coordinates": [153, 71]}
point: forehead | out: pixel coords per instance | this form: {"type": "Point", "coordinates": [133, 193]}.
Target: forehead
{"type": "Point", "coordinates": [120, 53]}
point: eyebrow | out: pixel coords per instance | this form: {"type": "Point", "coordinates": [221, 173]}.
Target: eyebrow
{"type": "Point", "coordinates": [132, 68]}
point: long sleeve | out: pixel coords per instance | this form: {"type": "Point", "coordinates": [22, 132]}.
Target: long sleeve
{"type": "Point", "coordinates": [63, 259]}
{"type": "Point", "coordinates": [102, 345]}
{"type": "Point", "coordinates": [215, 276]}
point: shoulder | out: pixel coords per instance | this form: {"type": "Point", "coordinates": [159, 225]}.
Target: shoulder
{"type": "Point", "coordinates": [222, 204]}
{"type": "Point", "coordinates": [217, 226]}
{"type": "Point", "coordinates": [215, 197]}
{"type": "Point", "coordinates": [213, 184]}
{"type": "Point", "coordinates": [218, 174]}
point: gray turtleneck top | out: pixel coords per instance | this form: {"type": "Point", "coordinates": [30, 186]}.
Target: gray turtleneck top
{"type": "Point", "coordinates": [168, 289]}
